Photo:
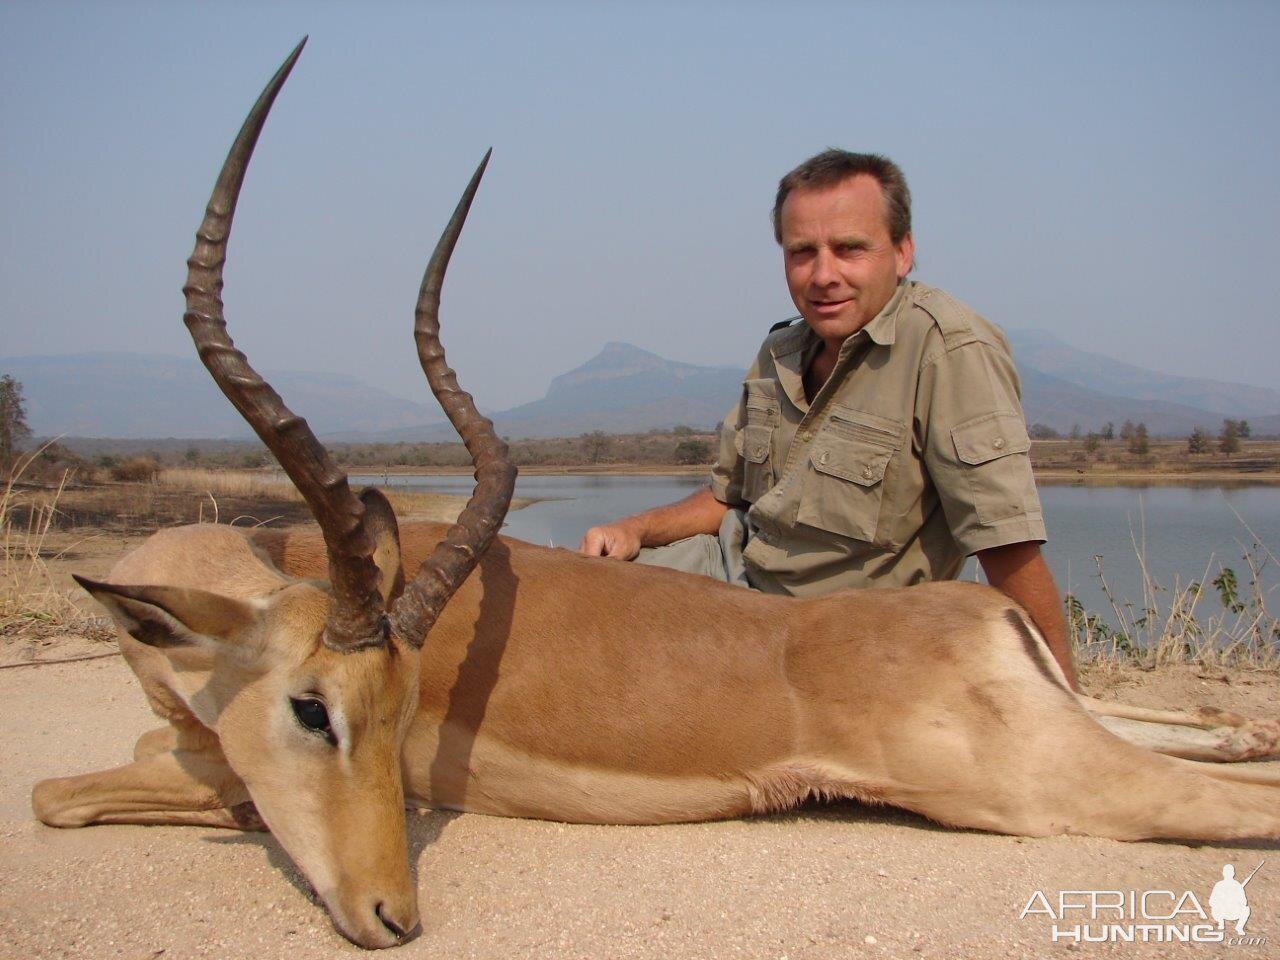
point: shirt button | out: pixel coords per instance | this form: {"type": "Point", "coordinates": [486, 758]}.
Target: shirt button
{"type": "Point", "coordinates": [806, 436]}
{"type": "Point", "coordinates": [866, 472]}
{"type": "Point", "coordinates": [823, 458]}
{"type": "Point", "coordinates": [758, 452]}
{"type": "Point", "coordinates": [998, 443]}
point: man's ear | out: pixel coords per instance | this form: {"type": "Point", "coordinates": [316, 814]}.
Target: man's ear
{"type": "Point", "coordinates": [905, 255]}
{"type": "Point", "coordinates": [171, 616]}
{"type": "Point", "coordinates": [380, 521]}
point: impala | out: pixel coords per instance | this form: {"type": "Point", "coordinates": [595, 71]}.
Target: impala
{"type": "Point", "coordinates": [298, 696]}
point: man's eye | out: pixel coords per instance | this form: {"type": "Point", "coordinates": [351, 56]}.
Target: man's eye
{"type": "Point", "coordinates": [311, 713]}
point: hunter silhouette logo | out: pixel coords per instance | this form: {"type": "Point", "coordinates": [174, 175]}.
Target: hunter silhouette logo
{"type": "Point", "coordinates": [1148, 916]}
{"type": "Point", "coordinates": [1228, 900]}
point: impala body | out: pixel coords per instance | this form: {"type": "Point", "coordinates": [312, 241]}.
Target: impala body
{"type": "Point", "coordinates": [560, 687]}
{"type": "Point", "coordinates": [313, 683]}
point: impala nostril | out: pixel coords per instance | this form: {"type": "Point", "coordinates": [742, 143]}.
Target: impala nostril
{"type": "Point", "coordinates": [388, 923]}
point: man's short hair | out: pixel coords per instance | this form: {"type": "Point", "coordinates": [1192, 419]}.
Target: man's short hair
{"type": "Point", "coordinates": [833, 166]}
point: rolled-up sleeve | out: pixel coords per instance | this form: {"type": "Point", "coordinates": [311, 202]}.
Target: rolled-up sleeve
{"type": "Point", "coordinates": [976, 448]}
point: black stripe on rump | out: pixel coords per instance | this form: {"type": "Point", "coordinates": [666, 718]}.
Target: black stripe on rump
{"type": "Point", "coordinates": [1034, 650]}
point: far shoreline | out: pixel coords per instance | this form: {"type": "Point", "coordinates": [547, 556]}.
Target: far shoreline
{"type": "Point", "coordinates": [1049, 477]}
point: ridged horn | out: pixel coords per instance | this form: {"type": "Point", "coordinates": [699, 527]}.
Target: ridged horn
{"type": "Point", "coordinates": [355, 617]}
{"type": "Point", "coordinates": [495, 475]}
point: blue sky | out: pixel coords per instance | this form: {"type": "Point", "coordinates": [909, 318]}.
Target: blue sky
{"type": "Point", "coordinates": [1104, 171]}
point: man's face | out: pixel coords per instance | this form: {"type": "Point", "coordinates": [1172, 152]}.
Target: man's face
{"type": "Point", "coordinates": [842, 267]}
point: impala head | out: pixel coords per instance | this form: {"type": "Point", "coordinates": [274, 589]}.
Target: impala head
{"type": "Point", "coordinates": [311, 686]}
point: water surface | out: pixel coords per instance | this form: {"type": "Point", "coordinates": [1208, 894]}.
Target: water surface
{"type": "Point", "coordinates": [1182, 532]}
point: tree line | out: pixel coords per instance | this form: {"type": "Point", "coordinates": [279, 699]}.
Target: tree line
{"type": "Point", "coordinates": [681, 444]}
{"type": "Point", "coordinates": [1137, 439]}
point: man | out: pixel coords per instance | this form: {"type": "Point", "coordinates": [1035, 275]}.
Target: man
{"type": "Point", "coordinates": [879, 442]}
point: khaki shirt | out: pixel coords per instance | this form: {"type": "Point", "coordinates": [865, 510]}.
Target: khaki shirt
{"type": "Point", "coordinates": [913, 455]}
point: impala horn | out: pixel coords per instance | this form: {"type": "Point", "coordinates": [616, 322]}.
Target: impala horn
{"type": "Point", "coordinates": [355, 618]}
{"type": "Point", "coordinates": [495, 475]}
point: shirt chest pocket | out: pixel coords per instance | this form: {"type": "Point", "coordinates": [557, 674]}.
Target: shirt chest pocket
{"type": "Point", "coordinates": [843, 489]}
{"type": "Point", "coordinates": [761, 413]}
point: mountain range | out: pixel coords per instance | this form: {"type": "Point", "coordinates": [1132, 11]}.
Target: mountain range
{"type": "Point", "coordinates": [134, 395]}
{"type": "Point", "coordinates": [623, 389]}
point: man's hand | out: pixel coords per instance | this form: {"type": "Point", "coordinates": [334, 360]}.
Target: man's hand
{"type": "Point", "coordinates": [618, 540]}
{"type": "Point", "coordinates": [700, 512]}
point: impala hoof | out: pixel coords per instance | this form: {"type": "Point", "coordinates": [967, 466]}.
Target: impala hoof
{"type": "Point", "coordinates": [53, 808]}
{"type": "Point", "coordinates": [1252, 740]}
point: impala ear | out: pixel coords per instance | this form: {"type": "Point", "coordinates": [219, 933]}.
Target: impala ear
{"type": "Point", "coordinates": [380, 521]}
{"type": "Point", "coordinates": [171, 616]}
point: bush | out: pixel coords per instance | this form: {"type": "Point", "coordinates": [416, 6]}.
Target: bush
{"type": "Point", "coordinates": [596, 445]}
{"type": "Point", "coordinates": [134, 470]}
{"type": "Point", "coordinates": [1137, 442]}
{"type": "Point", "coordinates": [693, 451]}
{"type": "Point", "coordinates": [1229, 438]}
{"type": "Point", "coordinates": [54, 464]}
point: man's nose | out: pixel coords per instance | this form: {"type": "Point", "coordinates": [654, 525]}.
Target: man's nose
{"type": "Point", "coordinates": [824, 269]}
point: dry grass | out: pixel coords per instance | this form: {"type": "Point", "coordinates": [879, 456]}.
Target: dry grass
{"type": "Point", "coordinates": [39, 525]}
{"type": "Point", "coordinates": [34, 519]}
{"type": "Point", "coordinates": [250, 484]}
{"type": "Point", "coordinates": [1221, 620]}
{"type": "Point", "coordinates": [28, 594]}
{"type": "Point", "coordinates": [216, 485]}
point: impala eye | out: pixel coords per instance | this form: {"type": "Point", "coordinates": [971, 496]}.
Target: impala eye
{"type": "Point", "coordinates": [311, 713]}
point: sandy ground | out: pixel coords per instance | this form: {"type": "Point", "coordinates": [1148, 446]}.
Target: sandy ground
{"type": "Point", "coordinates": [838, 881]}
{"type": "Point", "coordinates": [823, 882]}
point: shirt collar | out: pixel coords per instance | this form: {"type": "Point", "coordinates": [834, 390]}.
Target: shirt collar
{"type": "Point", "coordinates": [794, 349]}
{"type": "Point", "coordinates": [883, 328]}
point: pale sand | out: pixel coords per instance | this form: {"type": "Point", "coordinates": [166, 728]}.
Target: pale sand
{"type": "Point", "coordinates": [812, 884]}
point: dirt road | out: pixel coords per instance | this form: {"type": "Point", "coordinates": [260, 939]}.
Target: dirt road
{"type": "Point", "coordinates": [842, 881]}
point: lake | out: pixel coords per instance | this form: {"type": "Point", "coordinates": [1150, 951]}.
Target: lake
{"type": "Point", "coordinates": [1182, 530]}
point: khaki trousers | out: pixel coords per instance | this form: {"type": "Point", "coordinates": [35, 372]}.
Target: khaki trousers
{"type": "Point", "coordinates": [718, 557]}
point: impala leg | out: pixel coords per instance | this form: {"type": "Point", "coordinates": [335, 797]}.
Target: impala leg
{"type": "Point", "coordinates": [1207, 734]}
{"type": "Point", "coordinates": [182, 787]}
{"type": "Point", "coordinates": [160, 740]}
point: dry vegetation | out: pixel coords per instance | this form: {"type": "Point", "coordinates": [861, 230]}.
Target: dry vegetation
{"type": "Point", "coordinates": [1101, 460]}
{"type": "Point", "coordinates": [1223, 619]}
{"type": "Point", "coordinates": [678, 446]}
{"type": "Point", "coordinates": [28, 595]}
{"type": "Point", "coordinates": [44, 528]}
{"type": "Point", "coordinates": [1080, 459]}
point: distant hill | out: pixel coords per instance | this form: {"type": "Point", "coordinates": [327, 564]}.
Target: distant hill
{"type": "Point", "coordinates": [1042, 351]}
{"type": "Point", "coordinates": [132, 395]}
{"type": "Point", "coordinates": [623, 389]}
{"type": "Point", "coordinates": [1062, 405]}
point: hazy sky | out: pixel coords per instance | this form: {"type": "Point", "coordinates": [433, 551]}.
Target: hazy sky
{"type": "Point", "coordinates": [1105, 171]}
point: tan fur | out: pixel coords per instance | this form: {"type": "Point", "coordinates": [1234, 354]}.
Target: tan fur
{"type": "Point", "coordinates": [589, 690]}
